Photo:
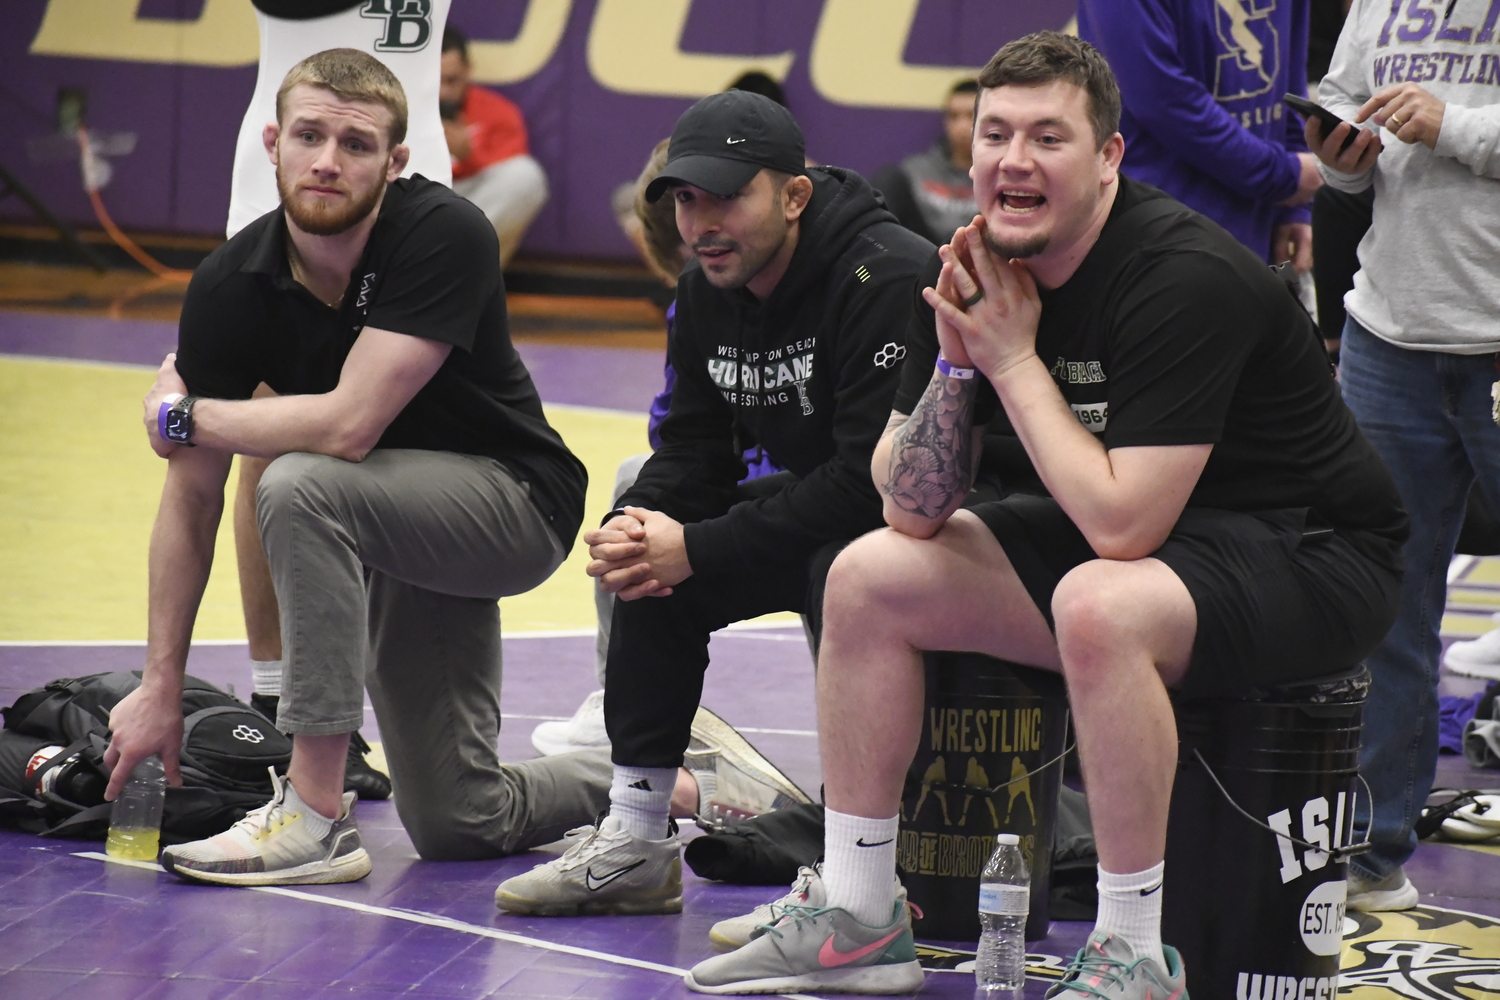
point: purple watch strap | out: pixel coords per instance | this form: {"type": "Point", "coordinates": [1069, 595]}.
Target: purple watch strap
{"type": "Point", "coordinates": [161, 419]}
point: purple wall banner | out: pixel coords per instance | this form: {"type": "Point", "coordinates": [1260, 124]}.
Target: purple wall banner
{"type": "Point", "coordinates": [165, 83]}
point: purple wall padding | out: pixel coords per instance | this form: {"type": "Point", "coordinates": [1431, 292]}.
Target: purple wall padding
{"type": "Point", "coordinates": [588, 138]}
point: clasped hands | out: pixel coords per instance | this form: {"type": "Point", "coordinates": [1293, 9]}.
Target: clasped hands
{"type": "Point", "coordinates": [996, 332]}
{"type": "Point", "coordinates": [638, 553]}
{"type": "Point", "coordinates": [167, 382]}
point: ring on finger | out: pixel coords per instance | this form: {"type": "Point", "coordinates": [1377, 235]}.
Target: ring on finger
{"type": "Point", "coordinates": [975, 298]}
{"type": "Point", "coordinates": [1396, 122]}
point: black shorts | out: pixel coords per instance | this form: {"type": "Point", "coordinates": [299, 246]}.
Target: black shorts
{"type": "Point", "coordinates": [1277, 600]}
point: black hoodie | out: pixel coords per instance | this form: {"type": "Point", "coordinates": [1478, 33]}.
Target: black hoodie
{"type": "Point", "coordinates": [820, 360]}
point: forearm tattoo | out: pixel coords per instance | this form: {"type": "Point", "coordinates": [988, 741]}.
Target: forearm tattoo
{"type": "Point", "coordinates": [932, 454]}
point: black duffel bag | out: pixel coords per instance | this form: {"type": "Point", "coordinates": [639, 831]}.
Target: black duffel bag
{"type": "Point", "coordinates": [52, 773]}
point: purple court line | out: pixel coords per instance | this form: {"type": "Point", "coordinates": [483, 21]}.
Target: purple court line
{"type": "Point", "coordinates": [612, 378]}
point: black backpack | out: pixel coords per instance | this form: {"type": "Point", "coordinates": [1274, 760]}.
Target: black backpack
{"type": "Point", "coordinates": [227, 747]}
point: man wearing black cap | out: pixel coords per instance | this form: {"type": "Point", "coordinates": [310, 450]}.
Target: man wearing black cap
{"type": "Point", "coordinates": [791, 323]}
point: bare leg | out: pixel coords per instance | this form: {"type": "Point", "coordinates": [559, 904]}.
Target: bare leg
{"type": "Point", "coordinates": [257, 596]}
{"type": "Point", "coordinates": [1125, 632]}
{"type": "Point", "coordinates": [890, 596]}
{"type": "Point", "coordinates": [317, 771]}
{"type": "Point", "coordinates": [685, 795]}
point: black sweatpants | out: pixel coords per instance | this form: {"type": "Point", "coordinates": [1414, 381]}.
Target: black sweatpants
{"type": "Point", "coordinates": [658, 646]}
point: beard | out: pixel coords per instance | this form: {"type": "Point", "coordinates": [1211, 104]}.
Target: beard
{"type": "Point", "coordinates": [1031, 246]}
{"type": "Point", "coordinates": [320, 219]}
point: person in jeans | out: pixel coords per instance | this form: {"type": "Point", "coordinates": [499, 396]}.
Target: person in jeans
{"type": "Point", "coordinates": [1418, 354]}
{"type": "Point", "coordinates": [417, 482]}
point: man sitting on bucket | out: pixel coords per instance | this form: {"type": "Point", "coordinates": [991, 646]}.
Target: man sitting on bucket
{"type": "Point", "coordinates": [1215, 523]}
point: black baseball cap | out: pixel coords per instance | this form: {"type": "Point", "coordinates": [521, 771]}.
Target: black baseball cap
{"type": "Point", "coordinates": [724, 140]}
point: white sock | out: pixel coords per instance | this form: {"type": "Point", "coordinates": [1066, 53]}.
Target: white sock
{"type": "Point", "coordinates": [641, 797]}
{"type": "Point", "coordinates": [265, 677]}
{"type": "Point", "coordinates": [859, 864]}
{"type": "Point", "coordinates": [317, 824]}
{"type": "Point", "coordinates": [1130, 906]}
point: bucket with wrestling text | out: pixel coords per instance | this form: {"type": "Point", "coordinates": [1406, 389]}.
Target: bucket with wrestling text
{"type": "Point", "coordinates": [1255, 903]}
{"type": "Point", "coordinates": [989, 762]}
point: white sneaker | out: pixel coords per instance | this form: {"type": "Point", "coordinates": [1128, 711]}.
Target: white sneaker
{"type": "Point", "coordinates": [1476, 657]}
{"type": "Point", "coordinates": [735, 781]}
{"type": "Point", "coordinates": [609, 871]}
{"type": "Point", "coordinates": [1394, 892]}
{"type": "Point", "coordinates": [272, 845]}
{"type": "Point", "coordinates": [584, 731]}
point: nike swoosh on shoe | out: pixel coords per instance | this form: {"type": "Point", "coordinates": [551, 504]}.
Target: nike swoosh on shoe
{"type": "Point", "coordinates": [831, 958]}
{"type": "Point", "coordinates": [595, 883]}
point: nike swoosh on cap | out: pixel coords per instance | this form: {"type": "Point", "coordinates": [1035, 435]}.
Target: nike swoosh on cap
{"type": "Point", "coordinates": [595, 883]}
{"type": "Point", "coordinates": [831, 958]}
{"type": "Point", "coordinates": [731, 142]}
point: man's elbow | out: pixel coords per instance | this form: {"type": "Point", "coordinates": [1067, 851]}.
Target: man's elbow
{"type": "Point", "coordinates": [1125, 544]}
{"type": "Point", "coordinates": [352, 443]}
{"type": "Point", "coordinates": [909, 522]}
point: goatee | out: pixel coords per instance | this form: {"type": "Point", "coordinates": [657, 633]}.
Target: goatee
{"type": "Point", "coordinates": [1029, 247]}
{"type": "Point", "coordinates": [321, 219]}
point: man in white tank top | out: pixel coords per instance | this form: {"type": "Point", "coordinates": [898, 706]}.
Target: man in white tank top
{"type": "Point", "coordinates": [406, 35]}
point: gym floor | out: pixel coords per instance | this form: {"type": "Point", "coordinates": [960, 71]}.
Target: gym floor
{"type": "Point", "coordinates": [78, 492]}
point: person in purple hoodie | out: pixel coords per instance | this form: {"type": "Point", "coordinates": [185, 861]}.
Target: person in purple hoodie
{"type": "Point", "coordinates": [1202, 82]}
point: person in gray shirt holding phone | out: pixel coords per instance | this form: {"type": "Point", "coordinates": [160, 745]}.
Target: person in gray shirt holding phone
{"type": "Point", "coordinates": [1419, 351]}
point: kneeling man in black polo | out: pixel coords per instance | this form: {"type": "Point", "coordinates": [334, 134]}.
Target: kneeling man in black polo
{"type": "Point", "coordinates": [415, 481]}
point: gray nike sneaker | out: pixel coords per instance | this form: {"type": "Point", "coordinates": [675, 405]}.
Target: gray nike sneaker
{"type": "Point", "coordinates": [821, 950]}
{"type": "Point", "coordinates": [1107, 967]}
{"type": "Point", "coordinates": [735, 781]}
{"type": "Point", "coordinates": [807, 890]}
{"type": "Point", "coordinates": [273, 845]}
{"type": "Point", "coordinates": [608, 871]}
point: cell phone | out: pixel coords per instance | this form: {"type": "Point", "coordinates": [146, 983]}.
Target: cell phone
{"type": "Point", "coordinates": [1329, 120]}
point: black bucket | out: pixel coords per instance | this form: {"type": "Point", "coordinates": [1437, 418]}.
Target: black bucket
{"type": "Point", "coordinates": [989, 731]}
{"type": "Point", "coordinates": [1254, 913]}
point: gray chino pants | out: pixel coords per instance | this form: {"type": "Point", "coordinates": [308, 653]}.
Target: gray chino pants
{"type": "Point", "coordinates": [386, 573]}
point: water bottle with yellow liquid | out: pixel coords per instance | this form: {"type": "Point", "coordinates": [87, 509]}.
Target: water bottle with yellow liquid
{"type": "Point", "coordinates": [135, 822]}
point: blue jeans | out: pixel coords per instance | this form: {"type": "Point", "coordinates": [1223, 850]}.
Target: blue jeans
{"type": "Point", "coordinates": [1428, 415]}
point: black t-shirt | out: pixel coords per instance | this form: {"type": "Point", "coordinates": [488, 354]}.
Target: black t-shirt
{"type": "Point", "coordinates": [1172, 333]}
{"type": "Point", "coordinates": [431, 269]}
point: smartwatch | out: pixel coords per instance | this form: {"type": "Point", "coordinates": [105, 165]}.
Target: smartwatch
{"type": "Point", "coordinates": [174, 421]}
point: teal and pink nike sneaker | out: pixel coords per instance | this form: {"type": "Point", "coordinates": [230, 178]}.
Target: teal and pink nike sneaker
{"type": "Point", "coordinates": [1106, 969]}
{"type": "Point", "coordinates": [818, 949]}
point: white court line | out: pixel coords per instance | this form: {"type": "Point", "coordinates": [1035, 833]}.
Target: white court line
{"type": "Point", "coordinates": [561, 633]}
{"type": "Point", "coordinates": [430, 920]}
{"type": "Point", "coordinates": [1460, 565]}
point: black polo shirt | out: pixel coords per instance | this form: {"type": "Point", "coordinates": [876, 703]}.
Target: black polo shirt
{"type": "Point", "coordinates": [430, 269]}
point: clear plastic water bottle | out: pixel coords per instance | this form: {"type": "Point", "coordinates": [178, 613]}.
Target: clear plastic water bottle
{"type": "Point", "coordinates": [1004, 902]}
{"type": "Point", "coordinates": [135, 821]}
